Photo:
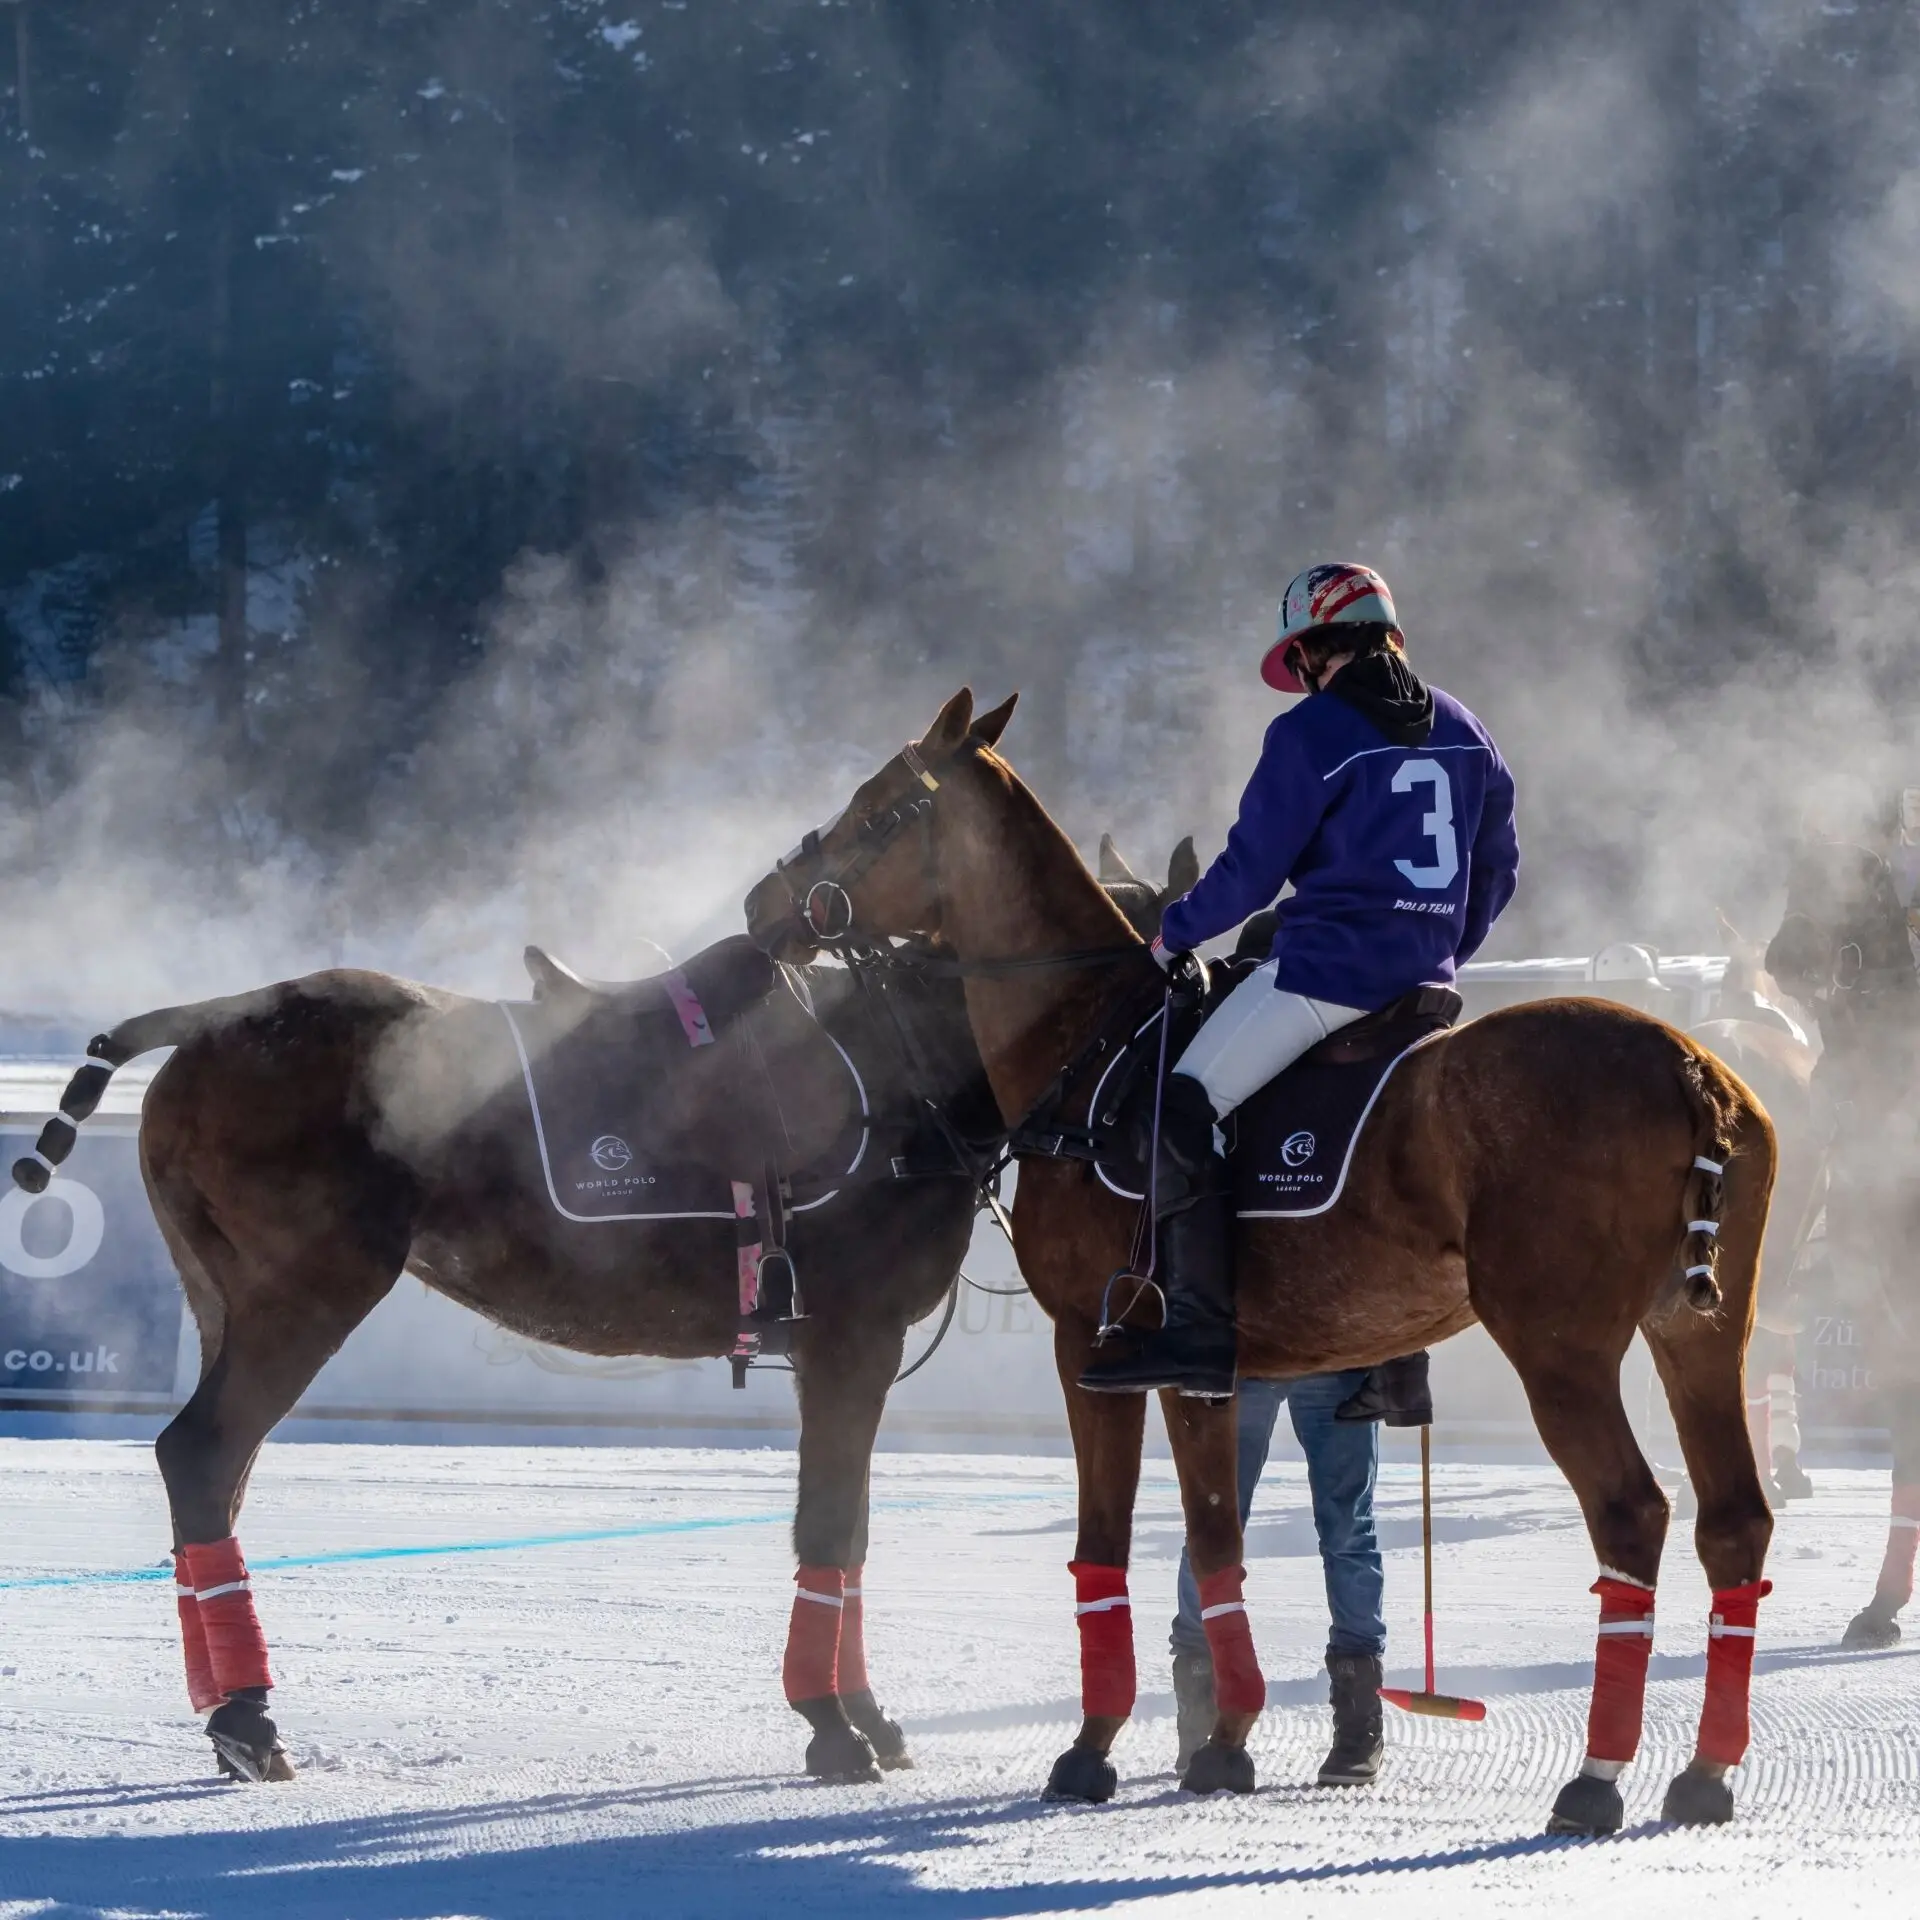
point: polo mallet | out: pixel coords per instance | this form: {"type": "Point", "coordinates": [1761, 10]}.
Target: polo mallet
{"type": "Point", "coordinates": [1439, 1706]}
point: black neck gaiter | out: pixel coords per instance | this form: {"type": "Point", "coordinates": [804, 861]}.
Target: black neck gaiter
{"type": "Point", "coordinates": [1388, 691]}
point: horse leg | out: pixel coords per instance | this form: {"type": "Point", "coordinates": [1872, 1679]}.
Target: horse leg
{"type": "Point", "coordinates": [273, 1337]}
{"type": "Point", "coordinates": [1877, 1624]}
{"type": "Point", "coordinates": [1701, 1364]}
{"type": "Point", "coordinates": [1107, 1432]}
{"type": "Point", "coordinates": [1576, 1405]}
{"type": "Point", "coordinates": [1205, 1438]}
{"type": "Point", "coordinates": [825, 1670]}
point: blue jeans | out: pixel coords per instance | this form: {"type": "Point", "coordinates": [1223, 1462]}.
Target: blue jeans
{"type": "Point", "coordinates": [1342, 1460]}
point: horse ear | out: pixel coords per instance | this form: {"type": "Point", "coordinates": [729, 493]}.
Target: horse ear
{"type": "Point", "coordinates": [951, 723]}
{"type": "Point", "coordinates": [1113, 868]}
{"type": "Point", "coordinates": [990, 726]}
{"type": "Point", "coordinates": [1183, 870]}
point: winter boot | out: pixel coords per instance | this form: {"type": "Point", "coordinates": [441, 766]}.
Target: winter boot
{"type": "Point", "coordinates": [1395, 1392]}
{"type": "Point", "coordinates": [1194, 1706]}
{"type": "Point", "coordinates": [1358, 1733]}
{"type": "Point", "coordinates": [1195, 1348]}
{"type": "Point", "coordinates": [1789, 1476]}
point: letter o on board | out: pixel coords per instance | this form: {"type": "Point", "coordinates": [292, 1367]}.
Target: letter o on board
{"type": "Point", "coordinates": [88, 1229]}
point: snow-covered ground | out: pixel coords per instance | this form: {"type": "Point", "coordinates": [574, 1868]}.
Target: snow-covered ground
{"type": "Point", "coordinates": [545, 1681]}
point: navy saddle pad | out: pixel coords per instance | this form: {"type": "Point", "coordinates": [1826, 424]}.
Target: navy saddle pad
{"type": "Point", "coordinates": [1289, 1146]}
{"type": "Point", "coordinates": [650, 1102]}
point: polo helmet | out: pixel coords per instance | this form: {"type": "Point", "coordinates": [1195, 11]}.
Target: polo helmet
{"type": "Point", "coordinates": [1336, 593]}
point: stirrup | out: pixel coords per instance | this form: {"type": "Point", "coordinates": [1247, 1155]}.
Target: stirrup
{"type": "Point", "coordinates": [1149, 1369]}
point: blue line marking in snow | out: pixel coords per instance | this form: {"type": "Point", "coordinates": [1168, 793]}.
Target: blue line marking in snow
{"type": "Point", "coordinates": [521, 1543]}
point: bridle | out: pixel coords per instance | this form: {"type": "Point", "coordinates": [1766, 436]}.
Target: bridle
{"type": "Point", "coordinates": [823, 906]}
{"type": "Point", "coordinates": [821, 895]}
{"type": "Point", "coordinates": [823, 903]}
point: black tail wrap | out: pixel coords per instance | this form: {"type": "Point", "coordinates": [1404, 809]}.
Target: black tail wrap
{"type": "Point", "coordinates": [83, 1092]}
{"type": "Point", "coordinates": [78, 1103]}
{"type": "Point", "coordinates": [106, 1046]}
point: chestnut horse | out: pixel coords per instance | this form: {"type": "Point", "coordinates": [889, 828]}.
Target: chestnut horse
{"type": "Point", "coordinates": [1842, 950]}
{"type": "Point", "coordinates": [1563, 1172]}
{"type": "Point", "coordinates": [309, 1142]}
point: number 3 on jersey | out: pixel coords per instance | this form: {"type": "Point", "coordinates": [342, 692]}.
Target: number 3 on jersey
{"type": "Point", "coordinates": [1437, 825]}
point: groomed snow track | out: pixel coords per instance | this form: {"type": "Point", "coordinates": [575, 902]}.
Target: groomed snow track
{"type": "Point", "coordinates": [538, 1682]}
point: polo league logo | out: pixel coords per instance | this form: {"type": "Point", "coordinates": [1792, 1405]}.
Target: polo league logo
{"type": "Point", "coordinates": [1297, 1149]}
{"type": "Point", "coordinates": [611, 1153]}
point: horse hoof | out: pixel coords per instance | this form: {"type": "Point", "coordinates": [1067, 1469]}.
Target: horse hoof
{"type": "Point", "coordinates": [1697, 1799]}
{"type": "Point", "coordinates": [1870, 1630]}
{"type": "Point", "coordinates": [841, 1755]}
{"type": "Point", "coordinates": [246, 1743]}
{"type": "Point", "coordinates": [1587, 1805]}
{"type": "Point", "coordinates": [1218, 1770]}
{"type": "Point", "coordinates": [1082, 1774]}
{"type": "Point", "coordinates": [889, 1744]}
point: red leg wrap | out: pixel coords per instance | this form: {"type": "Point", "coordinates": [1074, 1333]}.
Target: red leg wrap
{"type": "Point", "coordinates": [236, 1648]}
{"type": "Point", "coordinates": [1619, 1669]}
{"type": "Point", "coordinates": [1238, 1684]}
{"type": "Point", "coordinates": [852, 1676]}
{"type": "Point", "coordinates": [201, 1690]}
{"type": "Point", "coordinates": [1723, 1719]}
{"type": "Point", "coordinates": [1106, 1639]}
{"type": "Point", "coordinates": [1895, 1586]}
{"type": "Point", "coordinates": [813, 1634]}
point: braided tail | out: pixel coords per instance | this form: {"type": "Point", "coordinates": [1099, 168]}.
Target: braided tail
{"type": "Point", "coordinates": [1707, 1186]}
{"type": "Point", "coordinates": [1701, 1281]}
{"type": "Point", "coordinates": [105, 1052]}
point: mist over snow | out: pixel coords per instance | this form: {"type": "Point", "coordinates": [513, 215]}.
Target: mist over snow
{"type": "Point", "coordinates": [472, 473]}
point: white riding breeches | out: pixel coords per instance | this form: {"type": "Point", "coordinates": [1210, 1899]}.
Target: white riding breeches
{"type": "Point", "coordinates": [1258, 1031]}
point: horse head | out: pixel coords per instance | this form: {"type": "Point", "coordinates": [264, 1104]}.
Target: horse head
{"type": "Point", "coordinates": [870, 872]}
{"type": "Point", "coordinates": [1140, 900]}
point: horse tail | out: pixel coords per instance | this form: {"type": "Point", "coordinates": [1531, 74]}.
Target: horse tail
{"type": "Point", "coordinates": [1723, 1110]}
{"type": "Point", "coordinates": [106, 1052]}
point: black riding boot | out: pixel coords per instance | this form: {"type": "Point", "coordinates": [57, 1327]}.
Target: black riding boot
{"type": "Point", "coordinates": [1359, 1733]}
{"type": "Point", "coordinates": [1395, 1392]}
{"type": "Point", "coordinates": [1195, 1349]}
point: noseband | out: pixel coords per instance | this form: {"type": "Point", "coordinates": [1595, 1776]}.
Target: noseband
{"type": "Point", "coordinates": [823, 903]}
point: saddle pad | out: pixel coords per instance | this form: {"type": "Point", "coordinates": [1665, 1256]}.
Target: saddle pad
{"type": "Point", "coordinates": [634, 1123]}
{"type": "Point", "coordinates": [1290, 1146]}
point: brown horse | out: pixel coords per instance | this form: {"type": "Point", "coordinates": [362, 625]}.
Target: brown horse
{"type": "Point", "coordinates": [1842, 949]}
{"type": "Point", "coordinates": [309, 1142]}
{"type": "Point", "coordinates": [1547, 1170]}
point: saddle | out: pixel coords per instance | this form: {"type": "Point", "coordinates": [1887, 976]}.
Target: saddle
{"type": "Point", "coordinates": [724, 980]}
{"type": "Point", "coordinates": [1289, 1147]}
{"type": "Point", "coordinates": [708, 1092]}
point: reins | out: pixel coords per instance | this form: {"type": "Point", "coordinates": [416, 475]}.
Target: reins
{"type": "Point", "coordinates": [824, 908]}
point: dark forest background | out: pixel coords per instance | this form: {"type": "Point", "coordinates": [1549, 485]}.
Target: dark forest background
{"type": "Point", "coordinates": [456, 453]}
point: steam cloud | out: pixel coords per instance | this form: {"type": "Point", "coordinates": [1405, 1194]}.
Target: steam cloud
{"type": "Point", "coordinates": [1541, 348]}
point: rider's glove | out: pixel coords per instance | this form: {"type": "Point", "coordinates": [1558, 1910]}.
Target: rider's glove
{"type": "Point", "coordinates": [1187, 971]}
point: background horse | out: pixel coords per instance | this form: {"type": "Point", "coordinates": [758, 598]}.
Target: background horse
{"type": "Point", "coordinates": [308, 1143]}
{"type": "Point", "coordinates": [1549, 1169]}
{"type": "Point", "coordinates": [1842, 949]}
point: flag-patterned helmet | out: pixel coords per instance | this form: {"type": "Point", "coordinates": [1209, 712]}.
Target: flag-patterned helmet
{"type": "Point", "coordinates": [1336, 593]}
